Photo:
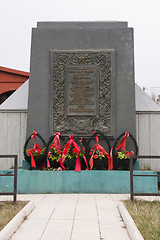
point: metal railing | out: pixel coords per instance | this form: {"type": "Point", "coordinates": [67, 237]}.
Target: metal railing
{"type": "Point", "coordinates": [132, 194]}
{"type": "Point", "coordinates": [14, 193]}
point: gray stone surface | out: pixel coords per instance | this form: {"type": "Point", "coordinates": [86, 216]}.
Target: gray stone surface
{"type": "Point", "coordinates": [105, 24]}
{"type": "Point", "coordinates": [40, 105]}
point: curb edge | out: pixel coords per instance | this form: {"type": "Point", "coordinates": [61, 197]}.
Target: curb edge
{"type": "Point", "coordinates": [131, 227]}
{"type": "Point", "coordinates": [7, 232]}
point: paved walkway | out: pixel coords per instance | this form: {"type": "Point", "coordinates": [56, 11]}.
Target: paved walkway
{"type": "Point", "coordinates": [73, 217]}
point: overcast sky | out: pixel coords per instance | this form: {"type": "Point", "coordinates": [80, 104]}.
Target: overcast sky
{"type": "Point", "coordinates": [18, 17]}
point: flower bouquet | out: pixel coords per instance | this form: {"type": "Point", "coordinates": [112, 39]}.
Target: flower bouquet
{"type": "Point", "coordinates": [124, 154]}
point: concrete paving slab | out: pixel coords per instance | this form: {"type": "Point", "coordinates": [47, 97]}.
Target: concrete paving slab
{"type": "Point", "coordinates": [56, 235]}
{"type": "Point", "coordinates": [114, 235]}
{"type": "Point", "coordinates": [28, 236]}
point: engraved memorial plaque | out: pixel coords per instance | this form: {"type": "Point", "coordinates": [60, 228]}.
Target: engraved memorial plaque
{"type": "Point", "coordinates": [82, 88]}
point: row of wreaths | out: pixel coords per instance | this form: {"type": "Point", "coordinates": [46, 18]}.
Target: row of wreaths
{"type": "Point", "coordinates": [86, 159]}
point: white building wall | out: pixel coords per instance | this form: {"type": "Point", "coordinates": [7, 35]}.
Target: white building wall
{"type": "Point", "coordinates": [148, 138]}
{"type": "Point", "coordinates": [13, 135]}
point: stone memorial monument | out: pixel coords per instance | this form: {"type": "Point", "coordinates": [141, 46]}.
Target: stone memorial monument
{"type": "Point", "coordinates": [81, 79]}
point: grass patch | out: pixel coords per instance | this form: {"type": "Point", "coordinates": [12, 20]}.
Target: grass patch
{"type": "Point", "coordinates": [8, 210]}
{"type": "Point", "coordinates": [146, 215]}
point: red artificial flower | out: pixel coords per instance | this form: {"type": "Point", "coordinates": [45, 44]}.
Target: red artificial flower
{"type": "Point", "coordinates": [67, 145]}
{"type": "Point", "coordinates": [90, 153]}
{"type": "Point", "coordinates": [132, 152]}
{"type": "Point", "coordinates": [65, 151]}
{"type": "Point", "coordinates": [75, 150]}
{"type": "Point", "coordinates": [127, 155]}
{"type": "Point", "coordinates": [100, 153]}
{"type": "Point", "coordinates": [58, 151]}
{"type": "Point", "coordinates": [96, 156]}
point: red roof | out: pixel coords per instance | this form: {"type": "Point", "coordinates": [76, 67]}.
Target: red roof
{"type": "Point", "coordinates": [18, 72]}
{"type": "Point", "coordinates": [10, 80]}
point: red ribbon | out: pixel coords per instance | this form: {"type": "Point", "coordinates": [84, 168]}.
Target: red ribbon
{"type": "Point", "coordinates": [123, 142]}
{"type": "Point", "coordinates": [56, 141]}
{"type": "Point", "coordinates": [29, 153]}
{"type": "Point", "coordinates": [34, 136]}
{"type": "Point", "coordinates": [99, 147]}
{"type": "Point", "coordinates": [84, 157]}
{"type": "Point", "coordinates": [111, 158]}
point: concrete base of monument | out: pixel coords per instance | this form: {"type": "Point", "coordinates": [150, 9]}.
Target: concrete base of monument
{"type": "Point", "coordinates": [35, 181]}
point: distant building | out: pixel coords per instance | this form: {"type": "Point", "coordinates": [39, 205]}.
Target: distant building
{"type": "Point", "coordinates": [144, 102]}
{"type": "Point", "coordinates": [154, 93]}
{"type": "Point", "coordinates": [10, 81]}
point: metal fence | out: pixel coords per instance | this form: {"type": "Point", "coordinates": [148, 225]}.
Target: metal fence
{"type": "Point", "coordinates": [14, 193]}
{"type": "Point", "coordinates": [132, 194]}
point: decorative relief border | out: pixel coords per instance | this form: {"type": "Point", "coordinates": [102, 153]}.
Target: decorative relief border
{"type": "Point", "coordinates": [84, 125]}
